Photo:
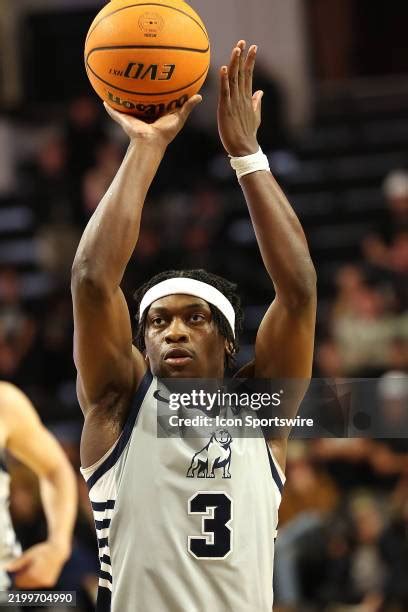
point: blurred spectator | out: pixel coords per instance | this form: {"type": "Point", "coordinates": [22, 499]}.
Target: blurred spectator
{"type": "Point", "coordinates": [310, 494]}
{"type": "Point", "coordinates": [354, 462]}
{"type": "Point", "coordinates": [18, 330]}
{"type": "Point", "coordinates": [56, 246]}
{"type": "Point", "coordinates": [395, 189]}
{"type": "Point", "coordinates": [56, 340]}
{"type": "Point", "coordinates": [392, 392]}
{"type": "Point", "coordinates": [97, 179]}
{"type": "Point", "coordinates": [385, 249]}
{"type": "Point", "coordinates": [352, 569]}
{"type": "Point", "coordinates": [309, 488]}
{"type": "Point", "coordinates": [368, 572]}
{"type": "Point", "coordinates": [47, 183]}
{"type": "Point", "coordinates": [395, 215]}
{"type": "Point", "coordinates": [349, 280]}
{"type": "Point", "coordinates": [398, 358]}
{"type": "Point", "coordinates": [84, 131]}
{"type": "Point", "coordinates": [49, 191]}
{"type": "Point", "coordinates": [394, 548]}
{"type": "Point", "coordinates": [328, 362]}
{"type": "Point", "coordinates": [388, 265]}
{"type": "Point", "coordinates": [364, 326]}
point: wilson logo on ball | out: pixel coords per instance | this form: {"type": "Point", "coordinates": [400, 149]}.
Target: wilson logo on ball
{"type": "Point", "coordinates": [148, 110]}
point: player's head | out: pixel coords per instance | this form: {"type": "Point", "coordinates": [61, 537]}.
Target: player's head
{"type": "Point", "coordinates": [188, 323]}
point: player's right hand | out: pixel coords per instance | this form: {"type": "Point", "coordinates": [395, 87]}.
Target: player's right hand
{"type": "Point", "coordinates": [162, 131]}
{"type": "Point", "coordinates": [38, 566]}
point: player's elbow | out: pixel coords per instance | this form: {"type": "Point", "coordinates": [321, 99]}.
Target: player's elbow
{"type": "Point", "coordinates": [308, 289]}
{"type": "Point", "coordinates": [86, 280]}
{"type": "Point", "coordinates": [303, 291]}
{"type": "Point", "coordinates": [310, 280]}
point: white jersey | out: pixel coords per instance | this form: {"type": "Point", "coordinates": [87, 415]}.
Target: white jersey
{"type": "Point", "coordinates": [9, 547]}
{"type": "Point", "coordinates": [184, 524]}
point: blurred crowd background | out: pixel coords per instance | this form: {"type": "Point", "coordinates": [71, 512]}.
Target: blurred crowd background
{"type": "Point", "coordinates": [342, 161]}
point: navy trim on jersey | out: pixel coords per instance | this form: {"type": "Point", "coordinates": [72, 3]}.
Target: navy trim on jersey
{"type": "Point", "coordinates": [105, 576]}
{"type": "Point", "coordinates": [101, 506]}
{"type": "Point", "coordinates": [275, 473]}
{"type": "Point", "coordinates": [103, 602]}
{"type": "Point", "coordinates": [126, 432]}
{"type": "Point", "coordinates": [102, 524]}
{"type": "Point", "coordinates": [102, 542]}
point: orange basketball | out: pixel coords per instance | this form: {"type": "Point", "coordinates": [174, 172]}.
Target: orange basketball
{"type": "Point", "coordinates": [147, 58]}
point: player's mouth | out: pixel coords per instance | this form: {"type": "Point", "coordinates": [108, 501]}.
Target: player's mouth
{"type": "Point", "coordinates": [178, 357]}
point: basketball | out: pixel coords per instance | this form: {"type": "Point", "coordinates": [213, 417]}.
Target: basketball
{"type": "Point", "coordinates": [147, 58]}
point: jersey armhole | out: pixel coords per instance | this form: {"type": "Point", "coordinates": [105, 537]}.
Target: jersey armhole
{"type": "Point", "coordinates": [277, 472]}
{"type": "Point", "coordinates": [88, 471]}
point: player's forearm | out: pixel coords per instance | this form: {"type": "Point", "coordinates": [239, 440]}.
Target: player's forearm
{"type": "Point", "coordinates": [112, 232]}
{"type": "Point", "coordinates": [280, 238]}
{"type": "Point", "coordinates": [59, 498]}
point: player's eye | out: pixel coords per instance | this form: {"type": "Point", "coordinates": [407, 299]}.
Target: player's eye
{"type": "Point", "coordinates": [196, 317]}
{"type": "Point", "coordinates": [157, 321]}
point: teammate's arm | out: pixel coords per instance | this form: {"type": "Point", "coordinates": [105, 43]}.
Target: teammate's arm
{"type": "Point", "coordinates": [285, 339]}
{"type": "Point", "coordinates": [30, 442]}
{"type": "Point", "coordinates": [106, 363]}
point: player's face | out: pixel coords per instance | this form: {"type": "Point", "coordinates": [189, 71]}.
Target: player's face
{"type": "Point", "coordinates": [182, 340]}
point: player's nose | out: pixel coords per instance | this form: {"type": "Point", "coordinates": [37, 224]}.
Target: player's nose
{"type": "Point", "coordinates": [176, 332]}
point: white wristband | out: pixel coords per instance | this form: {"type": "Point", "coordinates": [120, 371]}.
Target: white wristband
{"type": "Point", "coordinates": [249, 163]}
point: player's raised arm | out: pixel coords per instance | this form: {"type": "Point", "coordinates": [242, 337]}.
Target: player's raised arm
{"type": "Point", "coordinates": [29, 441]}
{"type": "Point", "coordinates": [107, 366]}
{"type": "Point", "coordinates": [284, 343]}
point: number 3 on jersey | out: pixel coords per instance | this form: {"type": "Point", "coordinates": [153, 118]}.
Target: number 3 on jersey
{"type": "Point", "coordinates": [215, 541]}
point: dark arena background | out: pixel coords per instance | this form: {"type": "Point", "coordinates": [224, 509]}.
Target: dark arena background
{"type": "Point", "coordinates": [335, 128]}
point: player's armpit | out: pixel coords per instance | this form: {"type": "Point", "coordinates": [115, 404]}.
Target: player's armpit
{"type": "Point", "coordinates": [103, 352]}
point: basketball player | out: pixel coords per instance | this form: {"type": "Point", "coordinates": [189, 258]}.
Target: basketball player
{"type": "Point", "coordinates": [184, 525]}
{"type": "Point", "coordinates": [23, 436]}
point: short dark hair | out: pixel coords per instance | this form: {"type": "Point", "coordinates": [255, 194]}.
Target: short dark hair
{"type": "Point", "coordinates": [224, 286]}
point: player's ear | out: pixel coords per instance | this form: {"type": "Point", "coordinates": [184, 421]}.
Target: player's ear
{"type": "Point", "coordinates": [229, 348]}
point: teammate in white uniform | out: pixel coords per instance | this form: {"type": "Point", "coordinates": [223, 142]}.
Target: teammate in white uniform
{"type": "Point", "coordinates": [185, 524]}
{"type": "Point", "coordinates": [9, 547]}
{"type": "Point", "coordinates": [23, 436]}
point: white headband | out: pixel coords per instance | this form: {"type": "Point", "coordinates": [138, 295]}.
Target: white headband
{"type": "Point", "coordinates": [189, 286]}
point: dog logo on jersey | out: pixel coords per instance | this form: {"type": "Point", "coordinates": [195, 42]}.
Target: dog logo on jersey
{"type": "Point", "coordinates": [216, 454]}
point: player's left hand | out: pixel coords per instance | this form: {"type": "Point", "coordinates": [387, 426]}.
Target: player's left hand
{"type": "Point", "coordinates": [239, 110]}
{"type": "Point", "coordinates": [38, 566]}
